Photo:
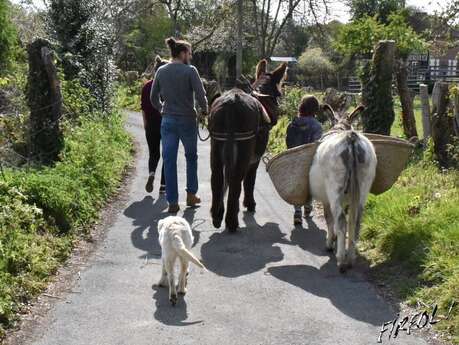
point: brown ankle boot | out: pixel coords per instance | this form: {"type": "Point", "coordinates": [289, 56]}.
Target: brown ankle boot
{"type": "Point", "coordinates": [173, 208]}
{"type": "Point", "coordinates": [192, 200]}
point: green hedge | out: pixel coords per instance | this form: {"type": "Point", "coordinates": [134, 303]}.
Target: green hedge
{"type": "Point", "coordinates": [43, 210]}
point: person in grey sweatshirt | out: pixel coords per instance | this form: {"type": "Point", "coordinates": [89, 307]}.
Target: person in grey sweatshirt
{"type": "Point", "coordinates": [173, 92]}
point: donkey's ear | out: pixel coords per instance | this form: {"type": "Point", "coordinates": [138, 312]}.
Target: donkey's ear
{"type": "Point", "coordinates": [331, 113]}
{"type": "Point", "coordinates": [262, 68]}
{"type": "Point", "coordinates": [352, 116]}
{"type": "Point", "coordinates": [158, 59]}
{"type": "Point", "coordinates": [279, 73]}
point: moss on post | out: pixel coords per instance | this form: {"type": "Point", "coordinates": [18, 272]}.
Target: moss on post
{"type": "Point", "coordinates": [377, 90]}
{"type": "Point", "coordinates": [45, 102]}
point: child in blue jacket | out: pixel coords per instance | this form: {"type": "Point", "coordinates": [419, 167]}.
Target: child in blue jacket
{"type": "Point", "coordinates": [304, 129]}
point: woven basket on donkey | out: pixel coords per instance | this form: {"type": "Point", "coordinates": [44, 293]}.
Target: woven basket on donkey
{"type": "Point", "coordinates": [392, 154]}
{"type": "Point", "coordinates": [289, 170]}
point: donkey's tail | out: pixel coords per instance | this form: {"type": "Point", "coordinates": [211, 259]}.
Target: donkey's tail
{"type": "Point", "coordinates": [229, 147]}
{"type": "Point", "coordinates": [355, 156]}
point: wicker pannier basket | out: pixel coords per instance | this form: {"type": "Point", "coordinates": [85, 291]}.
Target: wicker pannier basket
{"type": "Point", "coordinates": [392, 154]}
{"type": "Point", "coordinates": [289, 170]}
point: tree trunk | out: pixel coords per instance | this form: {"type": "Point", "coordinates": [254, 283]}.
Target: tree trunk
{"type": "Point", "coordinates": [406, 100]}
{"type": "Point", "coordinates": [239, 38]}
{"type": "Point", "coordinates": [425, 104]}
{"type": "Point", "coordinates": [442, 124]}
{"type": "Point", "coordinates": [379, 115]}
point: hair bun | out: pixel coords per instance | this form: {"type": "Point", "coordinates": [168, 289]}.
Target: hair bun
{"type": "Point", "coordinates": [171, 42]}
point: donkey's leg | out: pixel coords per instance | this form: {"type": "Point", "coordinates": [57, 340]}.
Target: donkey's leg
{"type": "Point", "coordinates": [331, 237]}
{"type": "Point", "coordinates": [353, 236]}
{"type": "Point", "coordinates": [217, 183]}
{"type": "Point", "coordinates": [339, 220]}
{"type": "Point", "coordinates": [249, 186]}
{"type": "Point", "coordinates": [231, 219]}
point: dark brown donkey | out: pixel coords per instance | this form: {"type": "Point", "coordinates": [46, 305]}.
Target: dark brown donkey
{"type": "Point", "coordinates": [239, 124]}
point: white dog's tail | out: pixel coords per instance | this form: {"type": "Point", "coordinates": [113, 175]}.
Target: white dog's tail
{"type": "Point", "coordinates": [179, 246]}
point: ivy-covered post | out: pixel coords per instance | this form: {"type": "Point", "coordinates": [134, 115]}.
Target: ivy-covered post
{"type": "Point", "coordinates": [442, 123]}
{"type": "Point", "coordinates": [377, 90]}
{"type": "Point", "coordinates": [45, 101]}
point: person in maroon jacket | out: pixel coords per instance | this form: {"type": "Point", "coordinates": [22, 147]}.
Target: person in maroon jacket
{"type": "Point", "coordinates": [152, 125]}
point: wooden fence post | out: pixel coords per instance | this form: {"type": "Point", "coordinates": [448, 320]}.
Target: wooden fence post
{"type": "Point", "coordinates": [456, 112]}
{"type": "Point", "coordinates": [442, 124]}
{"type": "Point", "coordinates": [45, 102]}
{"type": "Point", "coordinates": [425, 104]}
{"type": "Point", "coordinates": [406, 99]}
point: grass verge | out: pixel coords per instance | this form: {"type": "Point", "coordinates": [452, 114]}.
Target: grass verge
{"type": "Point", "coordinates": [43, 210]}
{"type": "Point", "coordinates": [410, 236]}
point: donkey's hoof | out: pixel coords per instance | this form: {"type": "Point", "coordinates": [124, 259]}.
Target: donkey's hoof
{"type": "Point", "coordinates": [250, 206]}
{"type": "Point", "coordinates": [342, 268]}
{"type": "Point", "coordinates": [173, 300]}
{"type": "Point", "coordinates": [217, 223]}
{"type": "Point", "coordinates": [232, 227]}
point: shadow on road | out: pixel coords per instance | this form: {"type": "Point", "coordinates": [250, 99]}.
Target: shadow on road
{"type": "Point", "coordinates": [247, 251]}
{"type": "Point", "coordinates": [146, 214]}
{"type": "Point", "coordinates": [349, 293]}
{"type": "Point", "coordinates": [310, 239]}
{"type": "Point", "coordinates": [189, 215]}
{"type": "Point", "coordinates": [168, 314]}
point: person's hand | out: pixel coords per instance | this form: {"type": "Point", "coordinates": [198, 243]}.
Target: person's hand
{"type": "Point", "coordinates": [202, 117]}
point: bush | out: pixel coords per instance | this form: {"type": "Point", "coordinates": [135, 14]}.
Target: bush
{"type": "Point", "coordinates": [42, 210]}
{"type": "Point", "coordinates": [128, 96]}
{"type": "Point", "coordinates": [8, 37]}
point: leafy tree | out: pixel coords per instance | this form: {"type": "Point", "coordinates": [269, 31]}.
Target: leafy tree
{"type": "Point", "coordinates": [84, 31]}
{"type": "Point", "coordinates": [382, 9]}
{"type": "Point", "coordinates": [361, 35]}
{"type": "Point", "coordinates": [143, 40]}
{"type": "Point", "coordinates": [68, 23]}
{"type": "Point", "coordinates": [315, 64]}
{"type": "Point", "coordinates": [8, 37]}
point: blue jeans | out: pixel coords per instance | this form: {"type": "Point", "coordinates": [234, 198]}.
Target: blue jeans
{"type": "Point", "coordinates": [173, 130]}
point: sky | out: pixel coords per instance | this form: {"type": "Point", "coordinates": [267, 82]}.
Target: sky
{"type": "Point", "coordinates": [338, 10]}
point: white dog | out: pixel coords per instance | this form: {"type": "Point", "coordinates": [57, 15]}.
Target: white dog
{"type": "Point", "coordinates": [175, 239]}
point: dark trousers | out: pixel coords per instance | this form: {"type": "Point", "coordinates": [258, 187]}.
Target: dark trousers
{"type": "Point", "coordinates": [153, 135]}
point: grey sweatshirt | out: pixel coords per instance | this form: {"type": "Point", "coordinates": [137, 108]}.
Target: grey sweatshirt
{"type": "Point", "coordinates": [177, 84]}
